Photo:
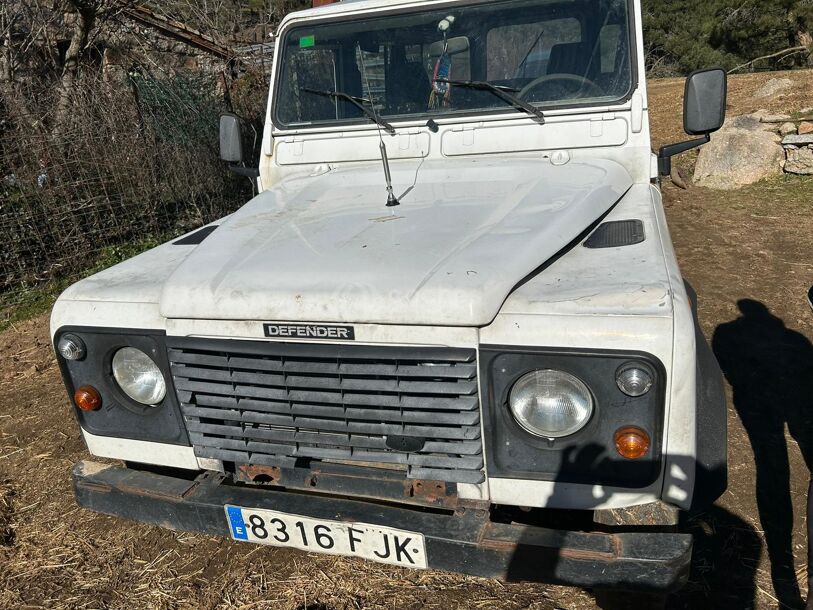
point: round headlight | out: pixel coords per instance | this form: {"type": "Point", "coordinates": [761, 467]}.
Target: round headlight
{"type": "Point", "coordinates": [551, 404]}
{"type": "Point", "coordinates": [138, 376]}
{"type": "Point", "coordinates": [633, 380]}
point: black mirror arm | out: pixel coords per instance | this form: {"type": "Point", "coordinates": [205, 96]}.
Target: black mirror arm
{"type": "Point", "coordinates": [248, 172]}
{"type": "Point", "coordinates": [670, 150]}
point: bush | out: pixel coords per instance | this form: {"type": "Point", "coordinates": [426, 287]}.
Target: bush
{"type": "Point", "coordinates": [130, 162]}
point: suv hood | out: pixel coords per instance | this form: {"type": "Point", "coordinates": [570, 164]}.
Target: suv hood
{"type": "Point", "coordinates": [324, 248]}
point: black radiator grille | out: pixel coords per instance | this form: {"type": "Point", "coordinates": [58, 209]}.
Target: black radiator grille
{"type": "Point", "coordinates": [282, 404]}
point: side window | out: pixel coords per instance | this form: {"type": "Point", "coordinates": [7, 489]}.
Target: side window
{"type": "Point", "coordinates": [524, 50]}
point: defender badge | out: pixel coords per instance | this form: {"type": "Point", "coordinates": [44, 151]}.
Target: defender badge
{"type": "Point", "coordinates": [309, 331]}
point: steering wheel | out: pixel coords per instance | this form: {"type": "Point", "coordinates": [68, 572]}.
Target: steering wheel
{"type": "Point", "coordinates": [582, 82]}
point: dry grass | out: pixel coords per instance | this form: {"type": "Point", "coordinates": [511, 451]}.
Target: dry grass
{"type": "Point", "coordinates": [6, 512]}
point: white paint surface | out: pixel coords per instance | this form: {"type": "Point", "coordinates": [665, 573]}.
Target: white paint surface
{"type": "Point", "coordinates": [143, 452]}
{"type": "Point", "coordinates": [325, 248]}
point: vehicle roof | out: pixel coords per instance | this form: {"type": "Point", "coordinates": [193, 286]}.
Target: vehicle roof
{"type": "Point", "coordinates": [348, 6]}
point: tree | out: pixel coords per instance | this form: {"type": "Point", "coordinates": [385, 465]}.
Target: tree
{"type": "Point", "coordinates": [676, 36]}
{"type": "Point", "coordinates": [85, 12]}
{"type": "Point", "coordinates": [223, 19]}
{"type": "Point", "coordinates": [683, 35]}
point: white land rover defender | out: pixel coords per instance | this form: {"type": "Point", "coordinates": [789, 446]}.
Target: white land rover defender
{"type": "Point", "coordinates": [449, 332]}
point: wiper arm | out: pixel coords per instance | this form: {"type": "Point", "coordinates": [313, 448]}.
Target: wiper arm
{"type": "Point", "coordinates": [502, 92]}
{"type": "Point", "coordinates": [358, 102]}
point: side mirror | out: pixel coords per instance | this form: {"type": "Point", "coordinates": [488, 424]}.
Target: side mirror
{"type": "Point", "coordinates": [810, 297]}
{"type": "Point", "coordinates": [704, 105]}
{"type": "Point", "coordinates": [231, 139]}
{"type": "Point", "coordinates": [704, 101]}
{"type": "Point", "coordinates": [231, 146]}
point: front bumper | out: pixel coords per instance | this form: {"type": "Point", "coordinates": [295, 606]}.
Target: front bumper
{"type": "Point", "coordinates": [466, 541]}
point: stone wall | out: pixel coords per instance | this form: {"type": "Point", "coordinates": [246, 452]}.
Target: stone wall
{"type": "Point", "coordinates": [798, 144]}
{"type": "Point", "coordinates": [753, 147]}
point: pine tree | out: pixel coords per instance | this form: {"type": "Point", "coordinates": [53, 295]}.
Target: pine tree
{"type": "Point", "coordinates": [683, 35]}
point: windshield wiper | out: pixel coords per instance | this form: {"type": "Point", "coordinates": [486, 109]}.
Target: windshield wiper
{"type": "Point", "coordinates": [358, 102]}
{"type": "Point", "coordinates": [502, 92]}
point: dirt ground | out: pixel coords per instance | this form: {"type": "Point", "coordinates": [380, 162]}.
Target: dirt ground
{"type": "Point", "coordinates": [752, 244]}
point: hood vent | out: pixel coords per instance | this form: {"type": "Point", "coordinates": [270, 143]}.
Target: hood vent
{"type": "Point", "coordinates": [616, 233]}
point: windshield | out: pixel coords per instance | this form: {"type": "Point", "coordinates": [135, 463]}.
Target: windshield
{"type": "Point", "coordinates": [546, 53]}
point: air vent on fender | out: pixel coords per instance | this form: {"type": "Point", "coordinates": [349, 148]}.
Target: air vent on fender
{"type": "Point", "coordinates": [616, 233]}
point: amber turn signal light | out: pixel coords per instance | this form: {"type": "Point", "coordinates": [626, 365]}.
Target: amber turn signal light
{"type": "Point", "coordinates": [631, 442]}
{"type": "Point", "coordinates": [87, 398]}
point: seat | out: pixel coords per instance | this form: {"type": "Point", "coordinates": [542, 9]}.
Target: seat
{"type": "Point", "coordinates": [569, 58]}
{"type": "Point", "coordinates": [408, 88]}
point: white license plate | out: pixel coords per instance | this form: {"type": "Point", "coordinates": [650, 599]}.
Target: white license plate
{"type": "Point", "coordinates": [373, 542]}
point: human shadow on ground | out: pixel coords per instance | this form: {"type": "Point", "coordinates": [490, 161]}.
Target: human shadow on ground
{"type": "Point", "coordinates": [770, 369]}
{"type": "Point", "coordinates": [725, 555]}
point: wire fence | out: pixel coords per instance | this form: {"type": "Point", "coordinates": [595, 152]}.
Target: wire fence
{"type": "Point", "coordinates": [129, 162]}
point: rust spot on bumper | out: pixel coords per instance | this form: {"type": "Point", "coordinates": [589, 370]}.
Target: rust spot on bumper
{"type": "Point", "coordinates": [510, 547]}
{"type": "Point", "coordinates": [433, 492]}
{"type": "Point", "coordinates": [255, 473]}
{"type": "Point", "coordinates": [580, 546]}
{"type": "Point", "coordinates": [590, 555]}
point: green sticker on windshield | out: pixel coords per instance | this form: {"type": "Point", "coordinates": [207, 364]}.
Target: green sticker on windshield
{"type": "Point", "coordinates": [307, 41]}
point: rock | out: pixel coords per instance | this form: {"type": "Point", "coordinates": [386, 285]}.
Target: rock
{"type": "Point", "coordinates": [772, 87]}
{"type": "Point", "coordinates": [800, 161]}
{"type": "Point", "coordinates": [800, 140]}
{"type": "Point", "coordinates": [755, 121]}
{"type": "Point", "coordinates": [805, 127]}
{"type": "Point", "coordinates": [767, 117]}
{"type": "Point", "coordinates": [744, 151]}
{"type": "Point", "coordinates": [787, 129]}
